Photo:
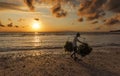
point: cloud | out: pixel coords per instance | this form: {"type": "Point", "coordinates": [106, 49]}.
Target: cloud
{"type": "Point", "coordinates": [57, 11]}
{"type": "Point", "coordinates": [91, 9]}
{"type": "Point", "coordinates": [16, 26]}
{"type": "Point", "coordinates": [113, 20]}
{"type": "Point", "coordinates": [30, 4]}
{"type": "Point", "coordinates": [113, 5]}
{"type": "Point", "coordinates": [58, 5]}
{"type": "Point", "coordinates": [6, 6]}
{"type": "Point", "coordinates": [86, 9]}
{"type": "Point", "coordinates": [37, 19]}
{"type": "Point", "coordinates": [95, 9]}
{"type": "Point", "coordinates": [10, 24]}
{"type": "Point", "coordinates": [94, 22]}
{"type": "Point", "coordinates": [80, 19]}
{"type": "Point", "coordinates": [1, 25]}
{"type": "Point", "coordinates": [71, 2]}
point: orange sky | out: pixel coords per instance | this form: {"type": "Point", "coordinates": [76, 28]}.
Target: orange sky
{"type": "Point", "coordinates": [19, 16]}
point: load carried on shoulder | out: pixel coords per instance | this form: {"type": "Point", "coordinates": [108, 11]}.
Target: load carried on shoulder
{"type": "Point", "coordinates": [83, 49]}
{"type": "Point", "coordinates": [68, 46]}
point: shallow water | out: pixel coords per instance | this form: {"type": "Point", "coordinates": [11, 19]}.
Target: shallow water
{"type": "Point", "coordinates": [38, 41]}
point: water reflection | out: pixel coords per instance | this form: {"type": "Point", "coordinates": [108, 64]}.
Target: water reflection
{"type": "Point", "coordinates": [37, 40]}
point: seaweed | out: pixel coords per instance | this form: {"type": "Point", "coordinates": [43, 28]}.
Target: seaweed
{"type": "Point", "coordinates": [84, 49]}
{"type": "Point", "coordinates": [68, 46]}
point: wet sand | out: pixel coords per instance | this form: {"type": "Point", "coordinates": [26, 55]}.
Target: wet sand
{"type": "Point", "coordinates": [59, 63]}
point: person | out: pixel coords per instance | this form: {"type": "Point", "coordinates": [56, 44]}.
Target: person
{"type": "Point", "coordinates": [75, 40]}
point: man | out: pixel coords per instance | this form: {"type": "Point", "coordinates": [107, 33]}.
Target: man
{"type": "Point", "coordinates": [75, 40]}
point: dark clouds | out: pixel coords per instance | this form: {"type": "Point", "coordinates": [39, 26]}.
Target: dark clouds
{"type": "Point", "coordinates": [57, 11]}
{"type": "Point", "coordinates": [16, 26]}
{"type": "Point", "coordinates": [30, 4]}
{"type": "Point", "coordinates": [113, 20]}
{"type": "Point", "coordinates": [71, 2]}
{"type": "Point", "coordinates": [1, 25]}
{"type": "Point", "coordinates": [94, 22]}
{"type": "Point", "coordinates": [58, 5]}
{"type": "Point", "coordinates": [91, 9]}
{"type": "Point", "coordinates": [10, 24]}
{"type": "Point", "coordinates": [95, 9]}
{"type": "Point", "coordinates": [87, 9]}
{"type": "Point", "coordinates": [10, 6]}
{"type": "Point", "coordinates": [37, 19]}
{"type": "Point", "coordinates": [80, 19]}
{"type": "Point", "coordinates": [113, 5]}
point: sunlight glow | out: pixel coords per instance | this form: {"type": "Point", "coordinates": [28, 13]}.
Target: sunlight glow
{"type": "Point", "coordinates": [36, 25]}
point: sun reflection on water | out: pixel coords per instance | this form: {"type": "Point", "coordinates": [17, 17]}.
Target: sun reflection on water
{"type": "Point", "coordinates": [37, 40]}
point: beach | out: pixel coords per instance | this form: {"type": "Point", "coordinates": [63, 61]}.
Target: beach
{"type": "Point", "coordinates": [42, 37]}
{"type": "Point", "coordinates": [59, 63]}
{"type": "Point", "coordinates": [42, 54]}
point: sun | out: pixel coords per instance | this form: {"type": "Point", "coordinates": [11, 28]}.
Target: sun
{"type": "Point", "coordinates": [36, 25]}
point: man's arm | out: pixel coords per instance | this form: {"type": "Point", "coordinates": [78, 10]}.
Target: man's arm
{"type": "Point", "coordinates": [79, 41]}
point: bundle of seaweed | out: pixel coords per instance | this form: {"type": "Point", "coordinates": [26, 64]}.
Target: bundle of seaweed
{"type": "Point", "coordinates": [84, 49]}
{"type": "Point", "coordinates": [68, 46]}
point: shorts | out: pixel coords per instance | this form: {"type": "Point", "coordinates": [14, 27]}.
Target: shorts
{"type": "Point", "coordinates": [75, 49]}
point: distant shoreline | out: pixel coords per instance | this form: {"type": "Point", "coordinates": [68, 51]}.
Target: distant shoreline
{"type": "Point", "coordinates": [62, 33]}
{"type": "Point", "coordinates": [115, 31]}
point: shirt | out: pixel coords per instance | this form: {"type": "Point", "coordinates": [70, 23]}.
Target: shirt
{"type": "Point", "coordinates": [75, 41]}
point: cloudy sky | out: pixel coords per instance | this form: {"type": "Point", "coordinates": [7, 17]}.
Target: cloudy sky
{"type": "Point", "coordinates": [59, 15]}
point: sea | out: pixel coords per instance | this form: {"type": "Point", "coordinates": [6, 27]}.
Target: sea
{"type": "Point", "coordinates": [54, 40]}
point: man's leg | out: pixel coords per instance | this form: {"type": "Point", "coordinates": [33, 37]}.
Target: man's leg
{"type": "Point", "coordinates": [75, 52]}
{"type": "Point", "coordinates": [72, 54]}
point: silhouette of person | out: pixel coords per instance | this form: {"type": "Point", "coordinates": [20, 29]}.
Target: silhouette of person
{"type": "Point", "coordinates": [75, 40]}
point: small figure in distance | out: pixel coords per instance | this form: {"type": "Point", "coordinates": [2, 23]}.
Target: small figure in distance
{"type": "Point", "coordinates": [75, 40]}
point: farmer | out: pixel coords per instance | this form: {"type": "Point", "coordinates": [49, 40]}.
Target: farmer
{"type": "Point", "coordinates": [75, 40]}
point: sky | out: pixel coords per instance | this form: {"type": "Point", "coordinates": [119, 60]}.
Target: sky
{"type": "Point", "coordinates": [59, 15]}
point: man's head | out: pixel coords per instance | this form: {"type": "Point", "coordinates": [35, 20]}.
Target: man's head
{"type": "Point", "coordinates": [78, 34]}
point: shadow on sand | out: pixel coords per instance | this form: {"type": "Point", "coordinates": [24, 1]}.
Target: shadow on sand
{"type": "Point", "coordinates": [93, 71]}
